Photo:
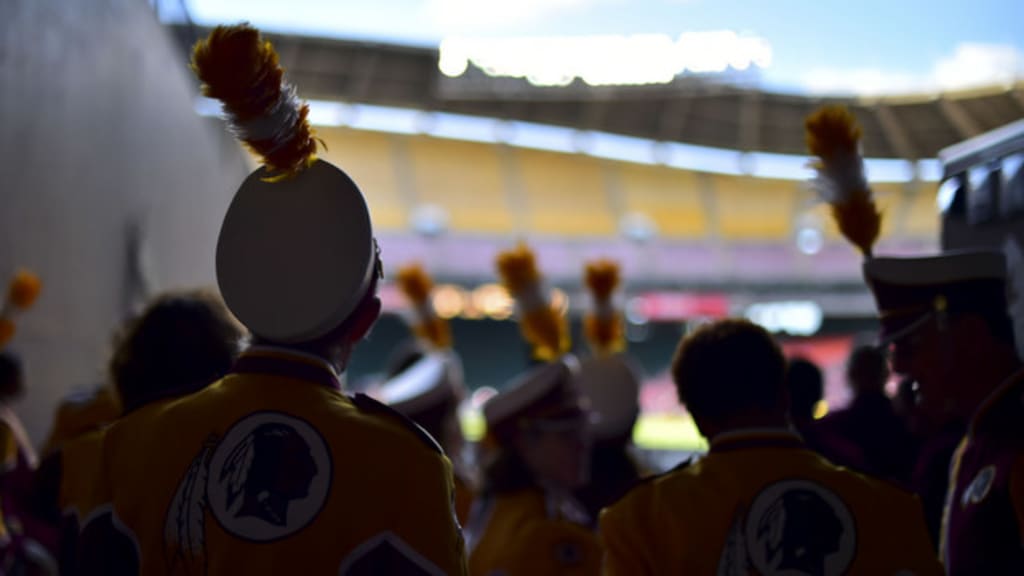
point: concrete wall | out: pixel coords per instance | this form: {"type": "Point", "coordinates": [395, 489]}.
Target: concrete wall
{"type": "Point", "coordinates": [99, 144]}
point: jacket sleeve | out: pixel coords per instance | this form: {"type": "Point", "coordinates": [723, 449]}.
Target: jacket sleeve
{"type": "Point", "coordinates": [423, 536]}
{"type": "Point", "coordinates": [1017, 494]}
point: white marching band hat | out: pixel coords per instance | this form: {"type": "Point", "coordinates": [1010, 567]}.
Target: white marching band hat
{"type": "Point", "coordinates": [909, 291]}
{"type": "Point", "coordinates": [546, 391]}
{"type": "Point", "coordinates": [295, 257]}
{"type": "Point", "coordinates": [296, 253]}
{"type": "Point", "coordinates": [433, 380]}
{"type": "Point", "coordinates": [611, 385]}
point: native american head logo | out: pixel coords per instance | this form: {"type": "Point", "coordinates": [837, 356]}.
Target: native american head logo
{"type": "Point", "coordinates": [272, 467]}
{"type": "Point", "coordinates": [793, 528]}
{"type": "Point", "coordinates": [267, 478]}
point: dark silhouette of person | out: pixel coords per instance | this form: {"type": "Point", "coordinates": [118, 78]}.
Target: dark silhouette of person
{"type": "Point", "coordinates": [281, 469]}
{"type": "Point", "coordinates": [871, 422]}
{"type": "Point", "coordinates": [800, 531]}
{"type": "Point", "coordinates": [805, 385]}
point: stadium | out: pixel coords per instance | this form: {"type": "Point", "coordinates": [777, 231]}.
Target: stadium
{"type": "Point", "coordinates": [521, 288]}
{"type": "Point", "coordinates": [698, 186]}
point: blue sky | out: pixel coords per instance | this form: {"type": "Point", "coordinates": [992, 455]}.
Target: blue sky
{"type": "Point", "coordinates": [870, 46]}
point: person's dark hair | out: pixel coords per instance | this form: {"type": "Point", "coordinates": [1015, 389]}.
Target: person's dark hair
{"type": "Point", "coordinates": [805, 383]}
{"type": "Point", "coordinates": [729, 366]}
{"type": "Point", "coordinates": [11, 378]}
{"type": "Point", "coordinates": [868, 368]}
{"type": "Point", "coordinates": [180, 343]}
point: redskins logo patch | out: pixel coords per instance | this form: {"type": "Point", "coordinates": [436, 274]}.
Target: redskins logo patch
{"type": "Point", "coordinates": [793, 527]}
{"type": "Point", "coordinates": [269, 477]}
{"type": "Point", "coordinates": [979, 488]}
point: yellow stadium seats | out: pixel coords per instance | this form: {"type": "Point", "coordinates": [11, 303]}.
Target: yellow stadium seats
{"type": "Point", "coordinates": [564, 194]}
{"type": "Point", "coordinates": [369, 158]}
{"type": "Point", "coordinates": [923, 217]}
{"type": "Point", "coordinates": [497, 190]}
{"type": "Point", "coordinates": [755, 208]}
{"type": "Point", "coordinates": [670, 198]}
{"type": "Point", "coordinates": [464, 178]}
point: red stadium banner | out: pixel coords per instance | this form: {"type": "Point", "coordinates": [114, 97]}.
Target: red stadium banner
{"type": "Point", "coordinates": [677, 306]}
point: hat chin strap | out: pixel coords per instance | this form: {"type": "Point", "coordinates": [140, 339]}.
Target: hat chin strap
{"type": "Point", "coordinates": [938, 311]}
{"type": "Point", "coordinates": [913, 327]}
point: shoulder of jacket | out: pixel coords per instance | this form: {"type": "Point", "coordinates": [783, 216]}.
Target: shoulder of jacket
{"type": "Point", "coordinates": [368, 405]}
{"type": "Point", "coordinates": [646, 484]}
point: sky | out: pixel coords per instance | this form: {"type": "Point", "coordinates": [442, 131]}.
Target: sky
{"type": "Point", "coordinates": [818, 47]}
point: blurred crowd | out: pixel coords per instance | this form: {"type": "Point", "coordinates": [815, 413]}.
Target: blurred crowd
{"type": "Point", "coordinates": [224, 441]}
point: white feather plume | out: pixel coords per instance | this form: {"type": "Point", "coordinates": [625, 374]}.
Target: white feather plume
{"type": "Point", "coordinates": [840, 178]}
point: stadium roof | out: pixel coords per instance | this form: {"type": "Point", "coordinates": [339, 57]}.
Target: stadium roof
{"type": "Point", "coordinates": [691, 110]}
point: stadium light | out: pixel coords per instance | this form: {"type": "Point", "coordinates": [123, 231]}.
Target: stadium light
{"type": "Point", "coordinates": [449, 301]}
{"type": "Point", "coordinates": [560, 301]}
{"type": "Point", "coordinates": [810, 236]}
{"type": "Point", "coordinates": [429, 220]}
{"type": "Point", "coordinates": [799, 318]}
{"type": "Point", "coordinates": [638, 227]}
{"type": "Point", "coordinates": [494, 301]}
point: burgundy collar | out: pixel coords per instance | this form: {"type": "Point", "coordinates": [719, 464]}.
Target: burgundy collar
{"type": "Point", "coordinates": [992, 405]}
{"type": "Point", "coordinates": [755, 438]}
{"type": "Point", "coordinates": [287, 363]}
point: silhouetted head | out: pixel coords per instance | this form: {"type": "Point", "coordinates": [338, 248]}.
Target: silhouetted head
{"type": "Point", "coordinates": [867, 370]}
{"type": "Point", "coordinates": [805, 384]}
{"type": "Point", "coordinates": [731, 374]}
{"type": "Point", "coordinates": [180, 343]}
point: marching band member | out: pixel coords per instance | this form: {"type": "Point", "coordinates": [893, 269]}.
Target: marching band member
{"type": "Point", "coordinates": [25, 542]}
{"type": "Point", "coordinates": [180, 343]}
{"type": "Point", "coordinates": [428, 386]}
{"type": "Point", "coordinates": [273, 469]}
{"type": "Point", "coordinates": [527, 522]}
{"type": "Point", "coordinates": [760, 502]}
{"type": "Point", "coordinates": [81, 412]}
{"type": "Point", "coordinates": [945, 320]}
{"type": "Point", "coordinates": [611, 383]}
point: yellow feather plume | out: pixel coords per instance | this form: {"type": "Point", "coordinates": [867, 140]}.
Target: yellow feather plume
{"type": "Point", "coordinates": [546, 332]}
{"type": "Point", "coordinates": [416, 285]}
{"type": "Point", "coordinates": [541, 325]}
{"type": "Point", "coordinates": [22, 292]}
{"type": "Point", "coordinates": [6, 331]}
{"type": "Point", "coordinates": [832, 131]}
{"type": "Point", "coordinates": [24, 289]}
{"type": "Point", "coordinates": [602, 278]}
{"type": "Point", "coordinates": [604, 331]}
{"type": "Point", "coordinates": [241, 70]}
{"type": "Point", "coordinates": [833, 135]}
{"type": "Point", "coordinates": [518, 269]}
